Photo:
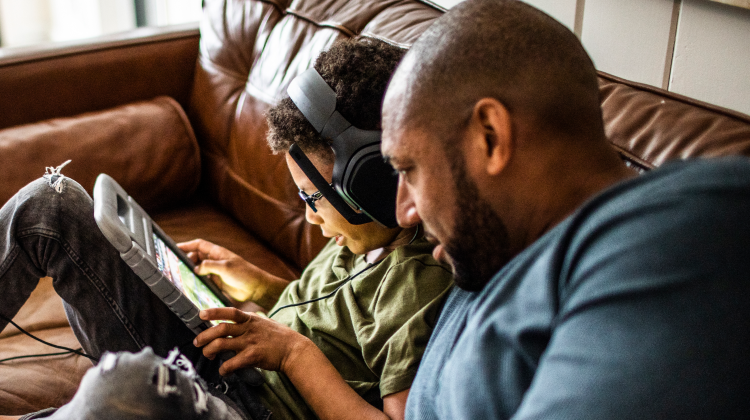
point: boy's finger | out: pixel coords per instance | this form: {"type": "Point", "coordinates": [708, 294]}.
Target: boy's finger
{"type": "Point", "coordinates": [224, 314]}
{"type": "Point", "coordinates": [210, 267]}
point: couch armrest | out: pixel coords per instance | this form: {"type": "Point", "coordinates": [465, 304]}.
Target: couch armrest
{"type": "Point", "coordinates": [62, 80]}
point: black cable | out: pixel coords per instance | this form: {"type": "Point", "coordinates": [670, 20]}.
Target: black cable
{"type": "Point", "coordinates": [37, 355]}
{"type": "Point", "coordinates": [67, 349]}
{"type": "Point", "coordinates": [416, 232]}
{"type": "Point", "coordinates": [291, 305]}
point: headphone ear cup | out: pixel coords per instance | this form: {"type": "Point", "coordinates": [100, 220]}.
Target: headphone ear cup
{"type": "Point", "coordinates": [360, 176]}
{"type": "Point", "coordinates": [372, 184]}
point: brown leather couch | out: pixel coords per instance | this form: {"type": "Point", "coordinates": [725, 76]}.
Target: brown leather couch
{"type": "Point", "coordinates": [176, 116]}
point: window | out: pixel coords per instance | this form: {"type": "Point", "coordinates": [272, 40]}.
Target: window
{"type": "Point", "coordinates": [28, 22]}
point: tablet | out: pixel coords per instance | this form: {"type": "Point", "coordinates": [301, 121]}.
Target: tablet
{"type": "Point", "coordinates": [153, 255]}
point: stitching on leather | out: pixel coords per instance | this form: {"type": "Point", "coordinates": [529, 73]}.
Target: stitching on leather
{"type": "Point", "coordinates": [435, 5]}
{"type": "Point", "coordinates": [325, 23]}
{"type": "Point", "coordinates": [369, 34]}
{"type": "Point", "coordinates": [632, 157]}
{"type": "Point", "coordinates": [187, 130]}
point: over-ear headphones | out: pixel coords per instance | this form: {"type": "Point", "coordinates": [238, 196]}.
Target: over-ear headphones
{"type": "Point", "coordinates": [361, 178]}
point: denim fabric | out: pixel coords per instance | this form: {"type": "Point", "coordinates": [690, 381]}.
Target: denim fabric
{"type": "Point", "coordinates": [46, 233]}
{"type": "Point", "coordinates": [48, 229]}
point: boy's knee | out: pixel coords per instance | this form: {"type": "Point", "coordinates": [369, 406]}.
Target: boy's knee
{"type": "Point", "coordinates": [47, 188]}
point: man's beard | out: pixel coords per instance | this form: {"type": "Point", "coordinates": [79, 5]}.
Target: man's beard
{"type": "Point", "coordinates": [479, 245]}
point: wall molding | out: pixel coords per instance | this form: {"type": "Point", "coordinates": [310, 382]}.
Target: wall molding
{"type": "Point", "coordinates": [669, 59]}
{"type": "Point", "coordinates": [578, 24]}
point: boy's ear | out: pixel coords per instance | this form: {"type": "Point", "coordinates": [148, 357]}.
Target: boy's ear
{"type": "Point", "coordinates": [492, 135]}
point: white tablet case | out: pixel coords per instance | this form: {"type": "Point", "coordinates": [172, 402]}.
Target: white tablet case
{"type": "Point", "coordinates": [129, 228]}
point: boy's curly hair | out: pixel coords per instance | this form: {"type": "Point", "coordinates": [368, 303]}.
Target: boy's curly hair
{"type": "Point", "coordinates": [358, 70]}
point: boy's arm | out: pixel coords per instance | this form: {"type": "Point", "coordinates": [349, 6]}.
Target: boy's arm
{"type": "Point", "coordinates": [326, 392]}
{"type": "Point", "coordinates": [267, 344]}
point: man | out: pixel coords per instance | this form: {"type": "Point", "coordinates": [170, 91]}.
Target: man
{"type": "Point", "coordinates": [584, 290]}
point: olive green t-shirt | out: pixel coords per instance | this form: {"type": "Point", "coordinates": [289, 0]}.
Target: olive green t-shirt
{"type": "Point", "coordinates": [374, 329]}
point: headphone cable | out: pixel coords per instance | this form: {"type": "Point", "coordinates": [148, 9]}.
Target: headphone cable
{"type": "Point", "coordinates": [369, 266]}
{"type": "Point", "coordinates": [347, 280]}
{"type": "Point", "coordinates": [67, 349]}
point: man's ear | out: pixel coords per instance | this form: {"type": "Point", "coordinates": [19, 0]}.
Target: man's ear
{"type": "Point", "coordinates": [493, 134]}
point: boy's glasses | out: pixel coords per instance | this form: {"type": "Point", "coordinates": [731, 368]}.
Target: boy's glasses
{"type": "Point", "coordinates": [312, 198]}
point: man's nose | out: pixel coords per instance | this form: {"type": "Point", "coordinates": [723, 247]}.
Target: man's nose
{"type": "Point", "coordinates": [406, 210]}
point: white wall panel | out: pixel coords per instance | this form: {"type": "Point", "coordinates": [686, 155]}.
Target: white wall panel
{"type": "Point", "coordinates": [630, 39]}
{"type": "Point", "coordinates": [74, 19]}
{"type": "Point", "coordinates": [117, 15]}
{"type": "Point", "coordinates": [562, 10]}
{"type": "Point", "coordinates": [78, 19]}
{"type": "Point", "coordinates": [24, 22]}
{"type": "Point", "coordinates": [712, 54]}
{"type": "Point", "coordinates": [169, 12]}
{"type": "Point", "coordinates": [181, 11]}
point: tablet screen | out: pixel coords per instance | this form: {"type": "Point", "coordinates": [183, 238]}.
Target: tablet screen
{"type": "Point", "coordinates": [183, 278]}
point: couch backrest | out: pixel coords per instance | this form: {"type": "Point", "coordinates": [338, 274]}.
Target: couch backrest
{"type": "Point", "coordinates": [650, 126]}
{"type": "Point", "coordinates": [66, 79]}
{"type": "Point", "coordinates": [250, 50]}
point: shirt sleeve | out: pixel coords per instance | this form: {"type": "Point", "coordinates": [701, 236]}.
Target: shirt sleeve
{"type": "Point", "coordinates": [403, 315]}
{"type": "Point", "coordinates": [652, 319]}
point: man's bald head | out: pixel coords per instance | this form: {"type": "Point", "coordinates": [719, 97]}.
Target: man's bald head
{"type": "Point", "coordinates": [511, 100]}
{"type": "Point", "coordinates": [505, 50]}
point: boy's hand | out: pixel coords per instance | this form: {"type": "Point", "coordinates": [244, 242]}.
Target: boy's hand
{"type": "Point", "coordinates": [239, 279]}
{"type": "Point", "coordinates": [256, 340]}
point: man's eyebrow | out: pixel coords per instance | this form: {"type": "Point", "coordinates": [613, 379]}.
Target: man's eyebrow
{"type": "Point", "coordinates": [391, 160]}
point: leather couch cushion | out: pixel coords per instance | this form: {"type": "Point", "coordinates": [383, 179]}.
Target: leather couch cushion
{"type": "Point", "coordinates": [148, 147]}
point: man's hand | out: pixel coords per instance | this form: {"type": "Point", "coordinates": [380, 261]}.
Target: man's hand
{"type": "Point", "coordinates": [239, 279]}
{"type": "Point", "coordinates": [256, 340]}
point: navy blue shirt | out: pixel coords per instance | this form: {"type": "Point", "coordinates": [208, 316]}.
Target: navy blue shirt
{"type": "Point", "coordinates": [636, 306]}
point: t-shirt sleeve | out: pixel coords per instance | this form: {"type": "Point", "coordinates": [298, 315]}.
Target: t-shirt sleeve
{"type": "Point", "coordinates": [403, 315]}
{"type": "Point", "coordinates": [653, 316]}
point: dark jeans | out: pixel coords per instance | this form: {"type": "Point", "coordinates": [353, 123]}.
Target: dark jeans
{"type": "Point", "coordinates": [44, 232]}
